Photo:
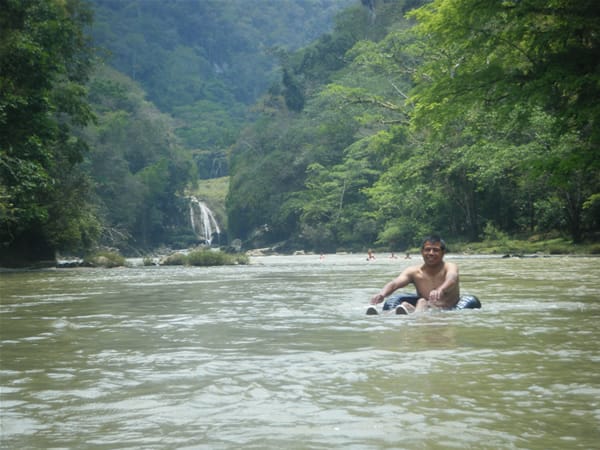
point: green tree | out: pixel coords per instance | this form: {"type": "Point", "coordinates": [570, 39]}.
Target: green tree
{"type": "Point", "coordinates": [300, 127]}
{"type": "Point", "coordinates": [45, 59]}
{"type": "Point", "coordinates": [334, 202]}
{"type": "Point", "coordinates": [368, 96]}
{"type": "Point", "coordinates": [206, 61]}
{"type": "Point", "coordinates": [140, 171]}
{"type": "Point", "coordinates": [518, 56]}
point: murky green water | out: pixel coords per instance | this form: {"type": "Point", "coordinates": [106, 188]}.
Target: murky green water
{"type": "Point", "coordinates": [279, 354]}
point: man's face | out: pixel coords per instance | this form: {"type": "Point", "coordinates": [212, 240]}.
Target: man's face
{"type": "Point", "coordinates": [432, 253]}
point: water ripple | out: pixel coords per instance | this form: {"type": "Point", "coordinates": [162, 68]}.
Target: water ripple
{"type": "Point", "coordinates": [280, 354]}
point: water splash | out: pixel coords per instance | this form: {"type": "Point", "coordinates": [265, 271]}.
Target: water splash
{"type": "Point", "coordinates": [203, 221]}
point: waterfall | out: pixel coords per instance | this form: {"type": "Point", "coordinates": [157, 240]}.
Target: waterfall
{"type": "Point", "coordinates": [203, 221]}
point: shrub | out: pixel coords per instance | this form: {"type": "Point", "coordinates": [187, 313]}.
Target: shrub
{"type": "Point", "coordinates": [106, 259]}
{"type": "Point", "coordinates": [206, 258]}
{"type": "Point", "coordinates": [176, 259]}
{"type": "Point", "coordinates": [211, 258]}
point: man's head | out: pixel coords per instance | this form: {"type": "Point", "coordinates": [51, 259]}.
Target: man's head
{"type": "Point", "coordinates": [434, 240]}
{"type": "Point", "coordinates": [433, 249]}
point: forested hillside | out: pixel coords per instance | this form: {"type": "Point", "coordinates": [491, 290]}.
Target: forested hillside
{"type": "Point", "coordinates": [396, 118]}
{"type": "Point", "coordinates": [177, 84]}
{"type": "Point", "coordinates": [204, 62]}
{"type": "Point", "coordinates": [478, 120]}
{"type": "Point", "coordinates": [111, 110]}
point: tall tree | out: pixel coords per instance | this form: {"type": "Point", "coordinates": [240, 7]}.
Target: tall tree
{"type": "Point", "coordinates": [525, 56]}
{"type": "Point", "coordinates": [45, 58]}
{"type": "Point", "coordinates": [140, 172]}
{"type": "Point", "coordinates": [269, 162]}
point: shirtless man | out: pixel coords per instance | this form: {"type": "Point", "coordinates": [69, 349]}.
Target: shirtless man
{"type": "Point", "coordinates": [436, 281]}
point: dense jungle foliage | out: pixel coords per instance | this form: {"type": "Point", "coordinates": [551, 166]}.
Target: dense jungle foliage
{"type": "Point", "coordinates": [111, 110]}
{"type": "Point", "coordinates": [45, 61]}
{"type": "Point", "coordinates": [473, 119]}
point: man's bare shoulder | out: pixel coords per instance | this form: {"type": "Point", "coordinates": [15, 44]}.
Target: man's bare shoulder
{"type": "Point", "coordinates": [450, 267]}
{"type": "Point", "coordinates": [412, 271]}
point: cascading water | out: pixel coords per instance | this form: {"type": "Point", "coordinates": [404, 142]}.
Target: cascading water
{"type": "Point", "coordinates": [203, 221]}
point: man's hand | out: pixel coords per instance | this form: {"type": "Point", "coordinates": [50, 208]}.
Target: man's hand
{"type": "Point", "coordinates": [435, 296]}
{"type": "Point", "coordinates": [377, 298]}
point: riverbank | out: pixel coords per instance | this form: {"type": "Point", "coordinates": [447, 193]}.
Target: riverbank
{"type": "Point", "coordinates": [501, 247]}
{"type": "Point", "coordinates": [533, 246]}
{"type": "Point", "coordinates": [515, 247]}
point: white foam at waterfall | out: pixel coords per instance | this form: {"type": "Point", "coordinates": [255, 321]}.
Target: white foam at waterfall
{"type": "Point", "coordinates": [203, 221]}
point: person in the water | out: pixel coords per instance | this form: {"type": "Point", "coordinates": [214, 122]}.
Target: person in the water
{"type": "Point", "coordinates": [436, 280]}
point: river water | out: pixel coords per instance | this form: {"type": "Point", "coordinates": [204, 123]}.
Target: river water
{"type": "Point", "coordinates": [279, 354]}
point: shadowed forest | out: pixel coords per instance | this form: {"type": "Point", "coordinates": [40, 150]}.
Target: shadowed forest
{"type": "Point", "coordinates": [326, 124]}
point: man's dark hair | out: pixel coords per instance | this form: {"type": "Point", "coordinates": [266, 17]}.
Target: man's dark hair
{"type": "Point", "coordinates": [434, 239]}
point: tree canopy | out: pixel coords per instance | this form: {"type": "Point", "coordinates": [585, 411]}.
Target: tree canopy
{"type": "Point", "coordinates": [45, 59]}
{"type": "Point", "coordinates": [530, 68]}
{"type": "Point", "coordinates": [206, 61]}
{"type": "Point", "coordinates": [473, 119]}
{"type": "Point", "coordinates": [470, 118]}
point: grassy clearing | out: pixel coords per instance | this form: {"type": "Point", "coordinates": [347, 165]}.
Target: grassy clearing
{"type": "Point", "coordinates": [214, 192]}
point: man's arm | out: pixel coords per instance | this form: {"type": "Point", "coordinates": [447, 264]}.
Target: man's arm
{"type": "Point", "coordinates": [401, 280]}
{"type": "Point", "coordinates": [440, 295]}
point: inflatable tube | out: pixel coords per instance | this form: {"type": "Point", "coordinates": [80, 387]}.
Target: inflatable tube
{"type": "Point", "coordinates": [466, 301]}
